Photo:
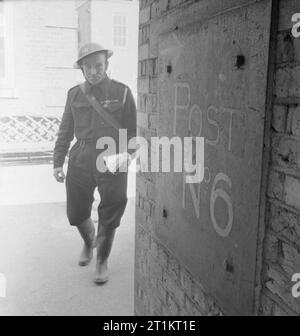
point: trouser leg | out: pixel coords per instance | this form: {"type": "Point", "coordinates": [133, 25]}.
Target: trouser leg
{"type": "Point", "coordinates": [113, 190]}
{"type": "Point", "coordinates": [113, 195]}
{"type": "Point", "coordinates": [80, 188]}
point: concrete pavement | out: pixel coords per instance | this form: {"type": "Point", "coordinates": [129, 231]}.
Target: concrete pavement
{"type": "Point", "coordinates": [39, 251]}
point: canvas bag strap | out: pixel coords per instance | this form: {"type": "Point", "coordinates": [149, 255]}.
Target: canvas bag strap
{"type": "Point", "coordinates": [100, 110]}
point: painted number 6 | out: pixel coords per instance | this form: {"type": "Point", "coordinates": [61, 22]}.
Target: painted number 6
{"type": "Point", "coordinates": [215, 193]}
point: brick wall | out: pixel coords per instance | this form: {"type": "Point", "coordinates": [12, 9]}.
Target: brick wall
{"type": "Point", "coordinates": [162, 284]}
{"type": "Point", "coordinates": [281, 252]}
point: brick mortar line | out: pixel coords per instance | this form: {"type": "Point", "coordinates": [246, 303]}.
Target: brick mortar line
{"type": "Point", "coordinates": [185, 270]}
{"type": "Point", "coordinates": [277, 268]}
{"type": "Point", "coordinates": [193, 302]}
{"type": "Point", "coordinates": [288, 65]}
{"type": "Point", "coordinates": [286, 171]}
{"type": "Point", "coordinates": [143, 25]}
{"type": "Point", "coordinates": [284, 31]}
{"type": "Point", "coordinates": [143, 44]}
{"type": "Point", "coordinates": [284, 205]}
{"type": "Point", "coordinates": [287, 279]}
{"type": "Point", "coordinates": [276, 299]}
{"type": "Point", "coordinates": [286, 101]}
{"type": "Point", "coordinates": [283, 239]}
{"type": "Point", "coordinates": [185, 295]}
{"type": "Point", "coordinates": [286, 135]}
{"type": "Point", "coordinates": [165, 287]}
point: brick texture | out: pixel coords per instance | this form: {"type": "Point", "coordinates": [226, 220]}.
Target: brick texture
{"type": "Point", "coordinates": [281, 254]}
{"type": "Point", "coordinates": [163, 286]}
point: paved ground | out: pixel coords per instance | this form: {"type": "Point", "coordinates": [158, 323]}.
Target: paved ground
{"type": "Point", "coordinates": [39, 250]}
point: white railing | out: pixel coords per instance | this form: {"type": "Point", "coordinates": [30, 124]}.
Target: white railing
{"type": "Point", "coordinates": [27, 133]}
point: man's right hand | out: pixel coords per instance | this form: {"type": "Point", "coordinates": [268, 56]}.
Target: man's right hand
{"type": "Point", "coordinates": [59, 175]}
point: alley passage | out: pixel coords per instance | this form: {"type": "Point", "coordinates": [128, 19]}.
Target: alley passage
{"type": "Point", "coordinates": [39, 251]}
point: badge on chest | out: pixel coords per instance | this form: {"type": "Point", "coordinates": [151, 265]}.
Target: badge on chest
{"type": "Point", "coordinates": [111, 104]}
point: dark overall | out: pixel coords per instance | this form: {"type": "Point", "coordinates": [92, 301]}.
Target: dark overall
{"type": "Point", "coordinates": [83, 178]}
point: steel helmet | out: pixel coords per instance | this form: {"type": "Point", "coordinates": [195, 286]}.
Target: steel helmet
{"type": "Point", "coordinates": [88, 49]}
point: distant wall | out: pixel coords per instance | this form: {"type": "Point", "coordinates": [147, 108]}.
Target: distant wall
{"type": "Point", "coordinates": [44, 49]}
{"type": "Point", "coordinates": [123, 64]}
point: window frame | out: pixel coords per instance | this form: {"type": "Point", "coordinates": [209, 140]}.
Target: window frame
{"type": "Point", "coordinates": [126, 30]}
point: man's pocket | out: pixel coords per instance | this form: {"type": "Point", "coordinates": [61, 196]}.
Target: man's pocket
{"type": "Point", "coordinates": [82, 113]}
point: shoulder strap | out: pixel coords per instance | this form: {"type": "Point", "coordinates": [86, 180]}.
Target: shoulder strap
{"type": "Point", "coordinates": [100, 110]}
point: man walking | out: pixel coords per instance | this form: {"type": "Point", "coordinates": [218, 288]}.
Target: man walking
{"type": "Point", "coordinates": [97, 108]}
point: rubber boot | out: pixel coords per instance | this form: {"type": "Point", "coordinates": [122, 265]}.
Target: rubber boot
{"type": "Point", "coordinates": [87, 232]}
{"type": "Point", "coordinates": [104, 245]}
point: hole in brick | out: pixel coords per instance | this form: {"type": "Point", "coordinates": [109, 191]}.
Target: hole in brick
{"type": "Point", "coordinates": [169, 69]}
{"type": "Point", "coordinates": [229, 266]}
{"type": "Point", "coordinates": [165, 213]}
{"type": "Point", "coordinates": [240, 61]}
{"type": "Point", "coordinates": [287, 158]}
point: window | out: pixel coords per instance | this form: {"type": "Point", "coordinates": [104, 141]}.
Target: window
{"type": "Point", "coordinates": [84, 23]}
{"type": "Point", "coordinates": [6, 45]}
{"type": "Point", "coordinates": [120, 31]}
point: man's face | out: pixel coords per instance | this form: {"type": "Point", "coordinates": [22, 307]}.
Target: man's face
{"type": "Point", "coordinates": [94, 67]}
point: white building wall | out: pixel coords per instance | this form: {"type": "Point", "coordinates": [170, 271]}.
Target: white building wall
{"type": "Point", "coordinates": [44, 38]}
{"type": "Point", "coordinates": [123, 64]}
